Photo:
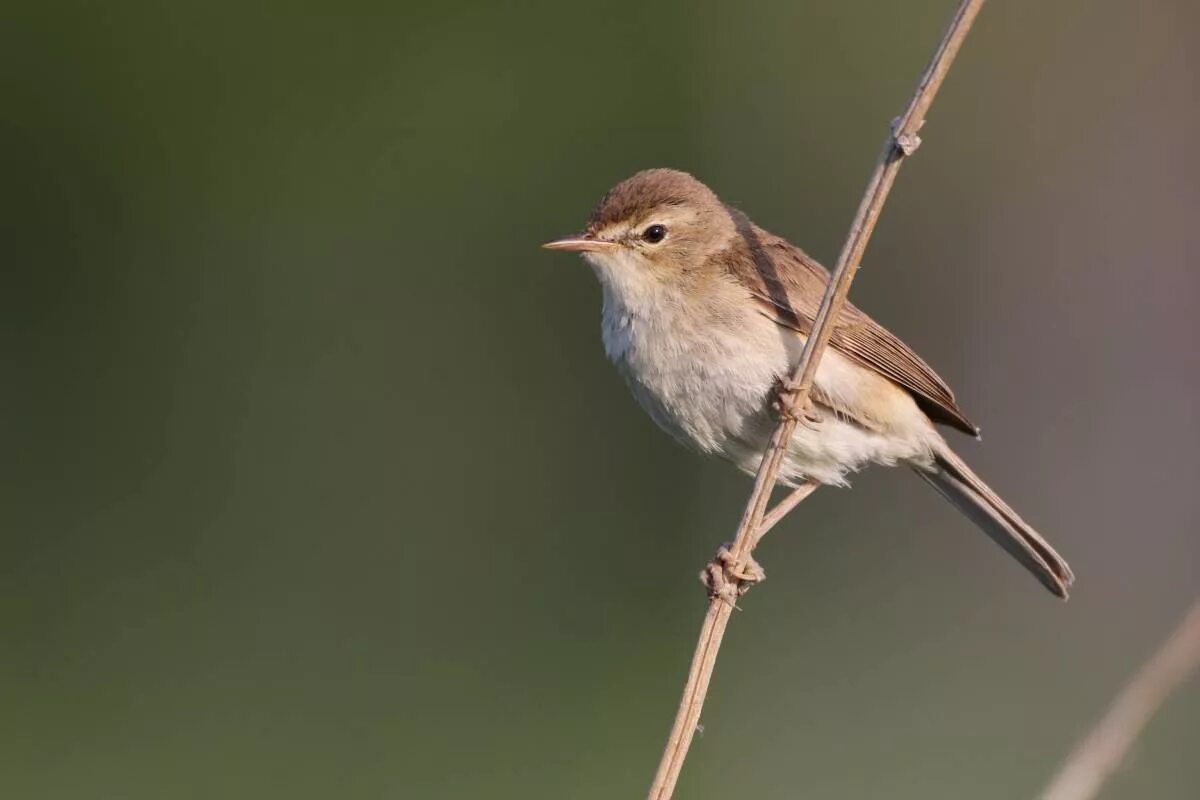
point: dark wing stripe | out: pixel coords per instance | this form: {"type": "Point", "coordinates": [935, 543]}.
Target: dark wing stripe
{"type": "Point", "coordinates": [898, 363]}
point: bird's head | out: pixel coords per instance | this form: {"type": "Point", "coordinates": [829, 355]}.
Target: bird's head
{"type": "Point", "coordinates": [653, 229]}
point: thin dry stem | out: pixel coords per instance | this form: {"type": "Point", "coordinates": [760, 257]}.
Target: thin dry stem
{"type": "Point", "coordinates": [901, 142]}
{"type": "Point", "coordinates": [1098, 756]}
{"type": "Point", "coordinates": [781, 509]}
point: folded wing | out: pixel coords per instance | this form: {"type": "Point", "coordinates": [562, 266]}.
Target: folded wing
{"type": "Point", "coordinates": [789, 286]}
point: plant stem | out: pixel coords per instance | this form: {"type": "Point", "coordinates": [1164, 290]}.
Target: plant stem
{"type": "Point", "coordinates": [901, 142]}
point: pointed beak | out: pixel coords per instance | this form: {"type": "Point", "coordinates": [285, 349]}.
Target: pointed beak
{"type": "Point", "coordinates": [579, 244]}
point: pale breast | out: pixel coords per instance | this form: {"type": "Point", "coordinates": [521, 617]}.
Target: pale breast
{"type": "Point", "coordinates": [708, 380]}
{"type": "Point", "coordinates": [702, 380]}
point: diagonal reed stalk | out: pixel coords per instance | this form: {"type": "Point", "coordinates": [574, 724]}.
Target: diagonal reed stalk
{"type": "Point", "coordinates": [1100, 754]}
{"type": "Point", "coordinates": [902, 141]}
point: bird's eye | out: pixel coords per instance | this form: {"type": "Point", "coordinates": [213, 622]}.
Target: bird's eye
{"type": "Point", "coordinates": [655, 233]}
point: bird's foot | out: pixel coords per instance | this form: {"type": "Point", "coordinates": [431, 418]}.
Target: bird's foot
{"type": "Point", "coordinates": [783, 394]}
{"type": "Point", "coordinates": [728, 580]}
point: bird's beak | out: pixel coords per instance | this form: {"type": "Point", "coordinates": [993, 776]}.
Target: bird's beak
{"type": "Point", "coordinates": [580, 244]}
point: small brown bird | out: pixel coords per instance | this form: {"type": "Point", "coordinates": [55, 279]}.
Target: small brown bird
{"type": "Point", "coordinates": [705, 314]}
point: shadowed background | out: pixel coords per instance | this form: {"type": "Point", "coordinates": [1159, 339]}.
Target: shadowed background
{"type": "Point", "coordinates": [316, 482]}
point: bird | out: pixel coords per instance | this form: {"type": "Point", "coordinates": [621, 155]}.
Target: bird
{"type": "Point", "coordinates": [705, 315]}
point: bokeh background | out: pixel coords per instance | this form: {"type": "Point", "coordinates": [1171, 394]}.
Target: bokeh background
{"type": "Point", "coordinates": [316, 482]}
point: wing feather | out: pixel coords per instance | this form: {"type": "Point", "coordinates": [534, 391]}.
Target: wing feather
{"type": "Point", "coordinates": [789, 284]}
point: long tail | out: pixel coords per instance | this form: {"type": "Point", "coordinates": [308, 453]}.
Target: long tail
{"type": "Point", "coordinates": [970, 495]}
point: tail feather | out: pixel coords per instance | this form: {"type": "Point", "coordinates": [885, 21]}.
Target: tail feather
{"type": "Point", "coordinates": [970, 495]}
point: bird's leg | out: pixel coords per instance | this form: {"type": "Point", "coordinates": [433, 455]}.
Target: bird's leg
{"type": "Point", "coordinates": [725, 578]}
{"type": "Point", "coordinates": [782, 395]}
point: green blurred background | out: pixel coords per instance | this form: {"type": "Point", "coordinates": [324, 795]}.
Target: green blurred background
{"type": "Point", "coordinates": [316, 482]}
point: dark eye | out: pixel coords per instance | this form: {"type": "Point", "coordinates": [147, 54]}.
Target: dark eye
{"type": "Point", "coordinates": [655, 233]}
